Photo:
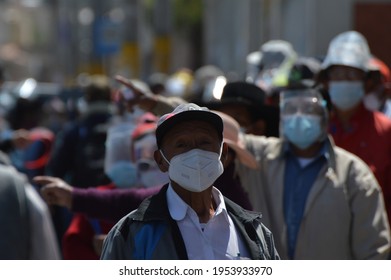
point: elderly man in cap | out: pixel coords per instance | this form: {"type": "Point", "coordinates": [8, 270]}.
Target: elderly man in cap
{"type": "Point", "coordinates": [189, 218]}
{"type": "Point", "coordinates": [320, 201]}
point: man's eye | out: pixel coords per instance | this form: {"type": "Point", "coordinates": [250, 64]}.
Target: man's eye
{"type": "Point", "coordinates": [180, 145]}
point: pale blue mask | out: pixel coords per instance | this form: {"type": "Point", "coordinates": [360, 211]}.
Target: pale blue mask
{"type": "Point", "coordinates": [149, 174]}
{"type": "Point", "coordinates": [346, 94]}
{"type": "Point", "coordinates": [153, 178]}
{"type": "Point", "coordinates": [123, 174]}
{"type": "Point", "coordinates": [302, 130]}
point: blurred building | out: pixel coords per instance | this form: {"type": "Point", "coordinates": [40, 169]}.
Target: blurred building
{"type": "Point", "coordinates": [233, 29]}
{"type": "Point", "coordinates": [55, 40]}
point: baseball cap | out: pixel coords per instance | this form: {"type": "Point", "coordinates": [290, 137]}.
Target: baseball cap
{"type": "Point", "coordinates": [187, 112]}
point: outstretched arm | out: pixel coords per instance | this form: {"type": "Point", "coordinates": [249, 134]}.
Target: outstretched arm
{"type": "Point", "coordinates": [156, 104]}
{"type": "Point", "coordinates": [110, 204]}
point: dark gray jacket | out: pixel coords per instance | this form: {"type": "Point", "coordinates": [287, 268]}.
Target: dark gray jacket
{"type": "Point", "coordinates": [149, 232]}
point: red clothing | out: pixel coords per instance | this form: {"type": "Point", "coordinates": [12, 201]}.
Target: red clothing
{"type": "Point", "coordinates": [368, 137]}
{"type": "Point", "coordinates": [77, 242]}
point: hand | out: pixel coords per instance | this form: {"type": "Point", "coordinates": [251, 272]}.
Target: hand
{"type": "Point", "coordinates": [55, 191]}
{"type": "Point", "coordinates": [144, 100]}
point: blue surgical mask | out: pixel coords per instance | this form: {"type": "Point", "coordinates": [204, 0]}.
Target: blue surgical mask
{"type": "Point", "coordinates": [302, 130]}
{"type": "Point", "coordinates": [346, 94]}
{"type": "Point", "coordinates": [123, 174]}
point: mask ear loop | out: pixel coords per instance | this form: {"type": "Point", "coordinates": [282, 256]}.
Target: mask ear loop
{"type": "Point", "coordinates": [161, 152]}
{"type": "Point", "coordinates": [221, 149]}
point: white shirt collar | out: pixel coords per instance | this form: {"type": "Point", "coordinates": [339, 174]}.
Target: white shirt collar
{"type": "Point", "coordinates": [216, 239]}
{"type": "Point", "coordinates": [178, 208]}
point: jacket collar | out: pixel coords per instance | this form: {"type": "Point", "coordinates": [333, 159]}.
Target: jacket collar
{"type": "Point", "coordinates": [156, 208]}
{"type": "Point", "coordinates": [283, 146]}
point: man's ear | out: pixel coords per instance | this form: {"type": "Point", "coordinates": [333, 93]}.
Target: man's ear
{"type": "Point", "coordinates": [224, 153]}
{"type": "Point", "coordinates": [161, 163]}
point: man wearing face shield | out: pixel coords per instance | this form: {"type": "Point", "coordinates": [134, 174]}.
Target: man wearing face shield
{"type": "Point", "coordinates": [320, 201]}
{"type": "Point", "coordinates": [346, 74]}
{"type": "Point", "coordinates": [269, 68]}
{"type": "Point", "coordinates": [189, 218]}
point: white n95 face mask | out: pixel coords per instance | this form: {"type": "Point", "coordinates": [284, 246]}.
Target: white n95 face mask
{"type": "Point", "coordinates": [195, 170]}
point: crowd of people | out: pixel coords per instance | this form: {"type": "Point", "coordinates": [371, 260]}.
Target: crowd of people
{"type": "Point", "coordinates": [290, 161]}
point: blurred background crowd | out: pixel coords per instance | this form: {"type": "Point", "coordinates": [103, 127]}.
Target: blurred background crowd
{"type": "Point", "coordinates": [63, 113]}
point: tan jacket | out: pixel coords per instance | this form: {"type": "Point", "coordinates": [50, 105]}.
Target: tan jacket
{"type": "Point", "coordinates": [344, 216]}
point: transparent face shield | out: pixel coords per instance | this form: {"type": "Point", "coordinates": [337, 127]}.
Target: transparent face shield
{"type": "Point", "coordinates": [278, 57]}
{"type": "Point", "coordinates": [303, 102]}
{"type": "Point", "coordinates": [268, 69]}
